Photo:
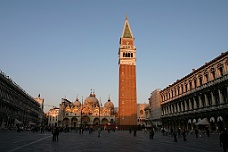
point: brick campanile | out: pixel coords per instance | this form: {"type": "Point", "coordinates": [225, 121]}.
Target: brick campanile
{"type": "Point", "coordinates": [127, 113]}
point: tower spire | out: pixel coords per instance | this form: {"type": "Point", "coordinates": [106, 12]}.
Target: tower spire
{"type": "Point", "coordinates": [127, 33]}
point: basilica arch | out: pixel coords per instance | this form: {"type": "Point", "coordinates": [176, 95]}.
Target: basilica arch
{"type": "Point", "coordinates": [96, 121]}
{"type": "Point", "coordinates": [66, 122]}
{"type": "Point", "coordinates": [85, 120]}
{"type": "Point", "coordinates": [104, 121]}
{"type": "Point", "coordinates": [74, 122]}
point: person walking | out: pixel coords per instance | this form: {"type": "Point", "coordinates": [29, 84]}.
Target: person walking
{"type": "Point", "coordinates": [196, 132]}
{"type": "Point", "coordinates": [208, 132]}
{"type": "Point", "coordinates": [171, 131]}
{"type": "Point", "coordinates": [224, 140]}
{"type": "Point", "coordinates": [179, 133]}
{"type": "Point", "coordinates": [53, 134]}
{"type": "Point", "coordinates": [135, 132]}
{"type": "Point", "coordinates": [57, 133]}
{"type": "Point", "coordinates": [151, 133]}
{"type": "Point", "coordinates": [99, 132]}
{"type": "Point", "coordinates": [184, 135]}
{"type": "Point", "coordinates": [175, 135]}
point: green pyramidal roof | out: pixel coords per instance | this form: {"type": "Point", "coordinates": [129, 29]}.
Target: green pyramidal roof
{"type": "Point", "coordinates": [127, 33]}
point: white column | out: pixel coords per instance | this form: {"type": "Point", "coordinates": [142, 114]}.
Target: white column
{"type": "Point", "coordinates": [220, 97]}
{"type": "Point", "coordinates": [227, 94]}
{"type": "Point", "coordinates": [213, 99]}
{"type": "Point", "coordinates": [175, 108]}
{"type": "Point", "coordinates": [200, 102]}
{"type": "Point", "coordinates": [206, 100]}
{"type": "Point", "coordinates": [194, 101]}
{"type": "Point", "coordinates": [178, 108]}
{"type": "Point", "coordinates": [190, 104]}
{"type": "Point", "coordinates": [186, 107]}
{"type": "Point", "coordinates": [171, 109]}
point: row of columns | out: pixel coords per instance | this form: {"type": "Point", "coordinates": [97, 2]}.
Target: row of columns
{"type": "Point", "coordinates": [197, 100]}
{"type": "Point", "coordinates": [184, 124]}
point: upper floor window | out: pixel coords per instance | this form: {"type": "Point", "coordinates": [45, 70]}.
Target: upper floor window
{"type": "Point", "coordinates": [195, 83]}
{"type": "Point", "coordinates": [200, 81]}
{"type": "Point", "coordinates": [128, 55]}
{"type": "Point", "coordinates": [220, 70]}
{"type": "Point", "coordinates": [206, 78]}
{"type": "Point", "coordinates": [186, 87]}
{"type": "Point", "coordinates": [212, 73]}
{"type": "Point", "coordinates": [190, 85]}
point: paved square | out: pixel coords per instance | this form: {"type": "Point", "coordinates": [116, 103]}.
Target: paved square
{"type": "Point", "coordinates": [121, 141]}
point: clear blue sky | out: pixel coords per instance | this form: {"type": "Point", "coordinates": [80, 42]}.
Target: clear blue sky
{"type": "Point", "coordinates": [65, 48]}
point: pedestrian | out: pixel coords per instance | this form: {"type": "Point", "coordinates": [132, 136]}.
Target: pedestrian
{"type": "Point", "coordinates": [208, 132]}
{"type": "Point", "coordinates": [99, 132]}
{"type": "Point", "coordinates": [224, 140]}
{"type": "Point", "coordinates": [196, 132]}
{"type": "Point", "coordinates": [134, 132]}
{"type": "Point", "coordinates": [179, 133]}
{"type": "Point", "coordinates": [130, 130]}
{"type": "Point", "coordinates": [184, 135]}
{"type": "Point", "coordinates": [175, 135]}
{"type": "Point", "coordinates": [53, 134]}
{"type": "Point", "coordinates": [171, 132]}
{"type": "Point", "coordinates": [57, 133]}
{"type": "Point", "coordinates": [145, 130]}
{"type": "Point", "coordinates": [163, 131]}
{"type": "Point", "coordinates": [151, 133]}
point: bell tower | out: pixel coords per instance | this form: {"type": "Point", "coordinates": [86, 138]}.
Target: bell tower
{"type": "Point", "coordinates": [127, 113]}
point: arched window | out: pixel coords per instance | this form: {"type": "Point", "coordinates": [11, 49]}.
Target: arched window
{"type": "Point", "coordinates": [195, 84]}
{"type": "Point", "coordinates": [221, 70]}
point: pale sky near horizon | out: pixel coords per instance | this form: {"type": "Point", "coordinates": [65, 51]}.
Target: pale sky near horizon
{"type": "Point", "coordinates": [65, 48]}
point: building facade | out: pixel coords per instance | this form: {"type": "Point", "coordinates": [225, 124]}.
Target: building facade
{"type": "Point", "coordinates": [153, 110]}
{"type": "Point", "coordinates": [200, 99]}
{"type": "Point", "coordinates": [88, 113]}
{"type": "Point", "coordinates": [141, 114]}
{"type": "Point", "coordinates": [16, 106]}
{"type": "Point", "coordinates": [53, 115]}
{"type": "Point", "coordinates": [127, 113]}
{"type": "Point", "coordinates": [41, 115]}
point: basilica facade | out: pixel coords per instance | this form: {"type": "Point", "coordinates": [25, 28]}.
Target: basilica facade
{"type": "Point", "coordinates": [86, 113]}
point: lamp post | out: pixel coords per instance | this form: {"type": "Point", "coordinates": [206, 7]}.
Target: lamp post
{"type": "Point", "coordinates": [99, 105]}
{"type": "Point", "coordinates": [99, 115]}
{"type": "Point", "coordinates": [81, 117]}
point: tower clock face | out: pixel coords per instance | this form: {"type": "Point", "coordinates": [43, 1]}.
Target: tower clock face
{"type": "Point", "coordinates": [127, 42]}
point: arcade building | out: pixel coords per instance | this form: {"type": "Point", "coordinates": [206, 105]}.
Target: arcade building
{"type": "Point", "coordinates": [198, 100]}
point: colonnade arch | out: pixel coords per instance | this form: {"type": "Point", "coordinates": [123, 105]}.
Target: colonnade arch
{"type": "Point", "coordinates": [213, 123]}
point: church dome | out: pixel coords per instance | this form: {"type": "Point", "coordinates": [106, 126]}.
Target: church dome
{"type": "Point", "coordinates": [109, 104]}
{"type": "Point", "coordinates": [91, 101]}
{"type": "Point", "coordinates": [77, 103]}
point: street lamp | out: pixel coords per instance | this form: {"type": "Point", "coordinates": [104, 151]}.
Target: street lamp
{"type": "Point", "coordinates": [81, 116]}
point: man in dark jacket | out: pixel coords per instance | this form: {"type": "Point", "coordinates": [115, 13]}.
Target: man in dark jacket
{"type": "Point", "coordinates": [224, 140]}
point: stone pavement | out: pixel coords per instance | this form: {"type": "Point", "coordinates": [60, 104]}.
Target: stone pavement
{"type": "Point", "coordinates": [121, 141]}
